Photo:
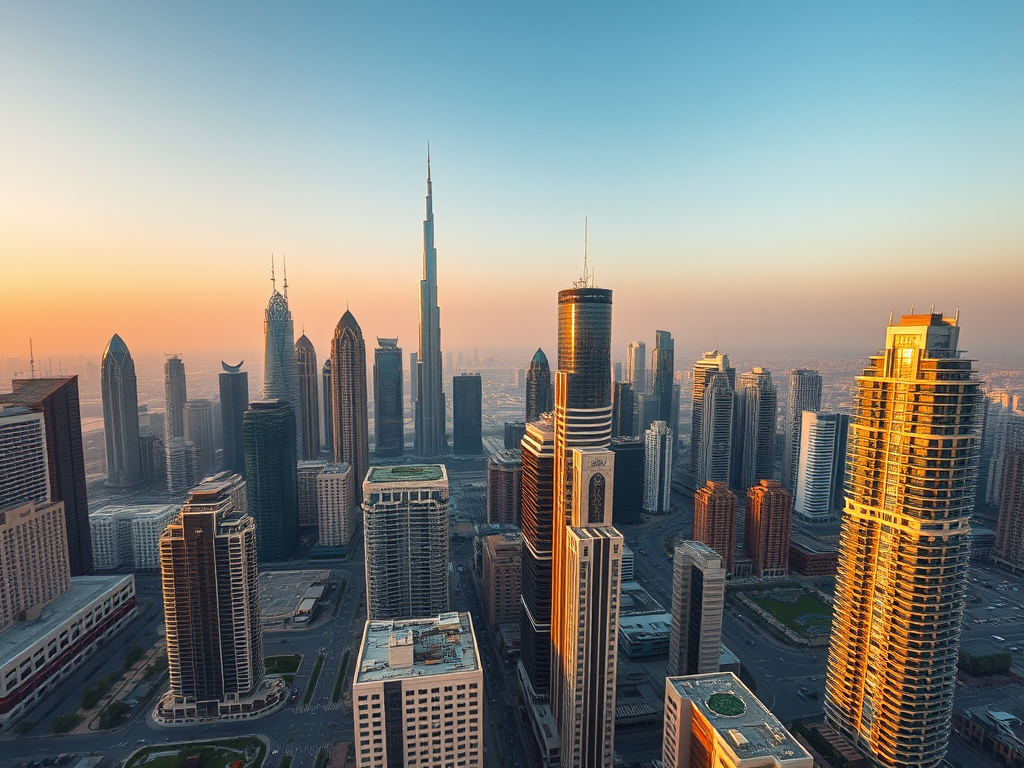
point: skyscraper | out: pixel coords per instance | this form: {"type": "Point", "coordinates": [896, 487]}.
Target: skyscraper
{"type": "Point", "coordinates": [57, 400]}
{"type": "Point", "coordinates": [1009, 544]}
{"type": "Point", "coordinates": [539, 396]}
{"type": "Point", "coordinates": [622, 410]}
{"type": "Point", "coordinates": [715, 437]}
{"type": "Point", "coordinates": [33, 560]}
{"type": "Point", "coordinates": [271, 477]}
{"type": "Point", "coordinates": [23, 472]}
{"type": "Point", "coordinates": [120, 415]}
{"type": "Point", "coordinates": [405, 528]}
{"type": "Point", "coordinates": [351, 422]}
{"type": "Point", "coordinates": [663, 363]}
{"type": "Point", "coordinates": [769, 513]}
{"type": "Point", "coordinates": [804, 395]}
{"type": "Point", "coordinates": [904, 545]}
{"type": "Point", "coordinates": [234, 399]}
{"type": "Point", "coordinates": [337, 509]}
{"type": "Point", "coordinates": [309, 399]}
{"type": "Point", "coordinates": [504, 487]}
{"type": "Point", "coordinates": [636, 365]}
{"type": "Point", "coordinates": [388, 399]}
{"type": "Point", "coordinates": [753, 452]}
{"type": "Point", "coordinates": [175, 396]}
{"type": "Point", "coordinates": [198, 417]}
{"type": "Point", "coordinates": [714, 520]}
{"type": "Point", "coordinates": [328, 395]}
{"type": "Point", "coordinates": [413, 374]}
{"type": "Point", "coordinates": [429, 408]}
{"type": "Point", "coordinates": [502, 576]}
{"type": "Point", "coordinates": [280, 373]}
{"type": "Point", "coordinates": [698, 605]}
{"type": "Point", "coordinates": [822, 464]}
{"type": "Point", "coordinates": [628, 495]}
{"type": "Point", "coordinates": [658, 468]}
{"type": "Point", "coordinates": [467, 416]}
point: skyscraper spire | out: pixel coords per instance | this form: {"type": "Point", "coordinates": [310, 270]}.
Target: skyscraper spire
{"type": "Point", "coordinates": [273, 279]}
{"type": "Point", "coordinates": [285, 260]}
{"type": "Point", "coordinates": [429, 411]}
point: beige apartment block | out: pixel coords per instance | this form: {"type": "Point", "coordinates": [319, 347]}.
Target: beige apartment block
{"type": "Point", "coordinates": [34, 565]}
{"type": "Point", "coordinates": [336, 504]}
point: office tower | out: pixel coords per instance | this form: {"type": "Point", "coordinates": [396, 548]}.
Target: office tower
{"type": "Point", "coordinates": [413, 373]}
{"type": "Point", "coordinates": [234, 399]}
{"type": "Point", "coordinates": [271, 477]}
{"type": "Point", "coordinates": [539, 394]}
{"type": "Point", "coordinates": [769, 518]}
{"type": "Point", "coordinates": [518, 378]}
{"type": "Point", "coordinates": [1009, 545]}
{"type": "Point", "coordinates": [628, 493]}
{"type": "Point", "coordinates": [405, 528]}
{"type": "Point", "coordinates": [636, 366]}
{"type": "Point", "coordinates": [23, 472]}
{"type": "Point", "coordinates": [57, 400]}
{"type": "Point", "coordinates": [622, 410]}
{"type": "Point", "coordinates": [351, 422]}
{"type": "Point", "coordinates": [658, 452]}
{"type": "Point", "coordinates": [306, 474]}
{"type": "Point", "coordinates": [34, 565]}
{"type": "Point", "coordinates": [388, 399]}
{"type": "Point", "coordinates": [429, 405]}
{"type": "Point", "coordinates": [1003, 432]}
{"type": "Point", "coordinates": [645, 411]}
{"type": "Point", "coordinates": [537, 509]}
{"type": "Point", "coordinates": [804, 395]}
{"type": "Point", "coordinates": [711, 370]}
{"type": "Point", "coordinates": [904, 545]}
{"type": "Point", "coordinates": [821, 466]}
{"type": "Point", "coordinates": [504, 487]}
{"type": "Point", "coordinates": [175, 396]}
{"type": "Point", "coordinates": [183, 465]}
{"type": "Point", "coordinates": [714, 520]}
{"type": "Point", "coordinates": [698, 605]}
{"type": "Point", "coordinates": [328, 395]}
{"type": "Point", "coordinates": [401, 668]}
{"type": "Point", "coordinates": [753, 441]}
{"type": "Point", "coordinates": [503, 576]}
{"type": "Point", "coordinates": [199, 432]}
{"type": "Point", "coordinates": [212, 609]}
{"type": "Point", "coordinates": [586, 550]}
{"type": "Point", "coordinates": [515, 431]}
{"type": "Point", "coordinates": [336, 502]}
{"type": "Point", "coordinates": [280, 372]}
{"type": "Point", "coordinates": [467, 416]}
{"type": "Point", "coordinates": [309, 397]}
{"type": "Point", "coordinates": [714, 720]}
{"type": "Point", "coordinates": [663, 365]}
{"type": "Point", "coordinates": [617, 371]}
{"type": "Point", "coordinates": [120, 415]}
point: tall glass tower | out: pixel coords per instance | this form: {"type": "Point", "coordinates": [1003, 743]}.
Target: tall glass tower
{"type": "Point", "coordinates": [175, 397]}
{"type": "Point", "coordinates": [280, 371]}
{"type": "Point", "coordinates": [706, 438]}
{"type": "Point", "coordinates": [351, 422]}
{"type": "Point", "coordinates": [904, 545]}
{"type": "Point", "coordinates": [234, 398]}
{"type": "Point", "coordinates": [663, 362]}
{"type": "Point", "coordinates": [309, 402]}
{"type": "Point", "coordinates": [120, 415]}
{"type": "Point", "coordinates": [388, 399]}
{"type": "Point", "coordinates": [271, 477]}
{"type": "Point", "coordinates": [539, 397]}
{"type": "Point", "coordinates": [804, 395]}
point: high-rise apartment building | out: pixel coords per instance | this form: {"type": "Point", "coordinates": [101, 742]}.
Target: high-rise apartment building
{"type": "Point", "coordinates": [821, 467]}
{"type": "Point", "coordinates": [711, 429]}
{"type": "Point", "coordinates": [769, 518]}
{"type": "Point", "coordinates": [645, 411]}
{"type": "Point", "coordinates": [504, 487]}
{"type": "Point", "coordinates": [388, 399]}
{"type": "Point", "coordinates": [175, 397]}
{"type": "Point", "coordinates": [309, 396]}
{"type": "Point", "coordinates": [467, 415]}
{"type": "Point", "coordinates": [663, 370]}
{"type": "Point", "coordinates": [57, 400]}
{"type": "Point", "coordinates": [183, 467]}
{"type": "Point", "coordinates": [502, 576]}
{"type": "Point", "coordinates": [698, 606]}
{"type": "Point", "coordinates": [754, 417]}
{"type": "Point", "coordinates": [34, 565]}
{"type": "Point", "coordinates": [271, 477]}
{"type": "Point", "coordinates": [622, 410]}
{"type": "Point", "coordinates": [128, 535]}
{"type": "Point", "coordinates": [306, 474]}
{"type": "Point", "coordinates": [405, 529]}
{"type": "Point", "coordinates": [1009, 544]}
{"type": "Point", "coordinates": [904, 545]}
{"type": "Point", "coordinates": [405, 668]}
{"type": "Point", "coordinates": [714, 721]}
{"type": "Point", "coordinates": [804, 395]}
{"type": "Point", "coordinates": [198, 416]}
{"type": "Point", "coordinates": [539, 394]}
{"type": "Point", "coordinates": [280, 372]}
{"type": "Point", "coordinates": [658, 443]}
{"type": "Point", "coordinates": [234, 399]}
{"type": "Point", "coordinates": [714, 520]}
{"type": "Point", "coordinates": [349, 409]}
{"type": "Point", "coordinates": [1003, 432]}
{"type": "Point", "coordinates": [120, 415]}
{"type": "Point", "coordinates": [337, 506]}
{"type": "Point", "coordinates": [515, 431]}
{"type": "Point", "coordinates": [429, 409]}
{"type": "Point", "coordinates": [636, 365]}
{"type": "Point", "coordinates": [23, 469]}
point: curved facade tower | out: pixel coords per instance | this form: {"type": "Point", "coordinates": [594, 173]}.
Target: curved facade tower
{"type": "Point", "coordinates": [120, 415]}
{"type": "Point", "coordinates": [309, 403]}
{"type": "Point", "coordinates": [539, 397]}
{"type": "Point", "coordinates": [351, 423]}
{"type": "Point", "coordinates": [280, 372]}
{"type": "Point", "coordinates": [429, 416]}
{"type": "Point", "coordinates": [904, 545]}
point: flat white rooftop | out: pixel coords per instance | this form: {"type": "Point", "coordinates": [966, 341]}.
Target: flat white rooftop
{"type": "Point", "coordinates": [440, 645]}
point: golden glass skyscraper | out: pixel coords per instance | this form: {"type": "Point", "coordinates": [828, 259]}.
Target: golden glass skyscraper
{"type": "Point", "coordinates": [904, 545]}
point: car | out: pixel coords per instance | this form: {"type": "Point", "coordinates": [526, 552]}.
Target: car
{"type": "Point", "coordinates": [751, 642]}
{"type": "Point", "coordinates": [275, 751]}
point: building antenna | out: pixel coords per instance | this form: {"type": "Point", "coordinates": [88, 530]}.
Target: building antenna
{"type": "Point", "coordinates": [585, 281]}
{"type": "Point", "coordinates": [890, 316]}
{"type": "Point", "coordinates": [911, 309]}
{"type": "Point", "coordinates": [273, 279]}
{"type": "Point", "coordinates": [932, 310]}
{"type": "Point", "coordinates": [956, 319]}
{"type": "Point", "coordinates": [284, 259]}
{"type": "Point", "coordinates": [31, 358]}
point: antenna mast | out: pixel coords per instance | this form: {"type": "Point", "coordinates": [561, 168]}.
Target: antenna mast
{"type": "Point", "coordinates": [31, 358]}
{"type": "Point", "coordinates": [273, 279]}
{"type": "Point", "coordinates": [285, 260]}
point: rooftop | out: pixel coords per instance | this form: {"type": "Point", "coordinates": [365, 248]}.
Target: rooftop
{"type": "Point", "coordinates": [508, 458]}
{"type": "Point", "coordinates": [415, 473]}
{"type": "Point", "coordinates": [337, 469]}
{"type": "Point", "coordinates": [741, 720]}
{"type": "Point", "coordinates": [31, 392]}
{"type": "Point", "coordinates": [441, 644]}
{"type": "Point", "coordinates": [646, 625]}
{"type": "Point", "coordinates": [634, 600]}
{"type": "Point", "coordinates": [134, 510]}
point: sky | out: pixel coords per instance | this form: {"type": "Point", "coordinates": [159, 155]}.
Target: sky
{"type": "Point", "coordinates": [758, 176]}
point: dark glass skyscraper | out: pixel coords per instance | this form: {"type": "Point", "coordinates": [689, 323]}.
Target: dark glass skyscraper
{"type": "Point", "coordinates": [388, 399]}
{"type": "Point", "coordinates": [280, 373]}
{"type": "Point", "coordinates": [328, 390]}
{"type": "Point", "coordinates": [429, 406]}
{"type": "Point", "coordinates": [271, 477]}
{"type": "Point", "coordinates": [175, 397]}
{"type": "Point", "coordinates": [351, 422]}
{"type": "Point", "coordinates": [309, 402]}
{"type": "Point", "coordinates": [664, 370]}
{"type": "Point", "coordinates": [57, 399]}
{"type": "Point", "coordinates": [120, 415]}
{"type": "Point", "coordinates": [467, 415]}
{"type": "Point", "coordinates": [622, 410]}
{"type": "Point", "coordinates": [539, 397]}
{"type": "Point", "coordinates": [628, 491]}
{"type": "Point", "coordinates": [234, 398]}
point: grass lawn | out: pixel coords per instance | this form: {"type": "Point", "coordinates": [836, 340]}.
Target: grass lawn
{"type": "Point", "coordinates": [807, 617]}
{"type": "Point", "coordinates": [283, 665]}
{"type": "Point", "coordinates": [212, 754]}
